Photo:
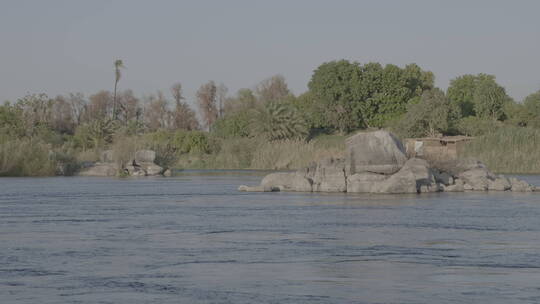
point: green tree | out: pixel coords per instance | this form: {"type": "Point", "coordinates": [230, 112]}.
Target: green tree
{"type": "Point", "coordinates": [489, 100]}
{"type": "Point", "coordinates": [433, 115]}
{"type": "Point", "coordinates": [11, 122]}
{"type": "Point", "coordinates": [531, 104]}
{"type": "Point", "coordinates": [276, 121]}
{"type": "Point", "coordinates": [95, 134]}
{"type": "Point", "coordinates": [349, 96]}
{"type": "Point", "coordinates": [234, 124]}
{"type": "Point", "coordinates": [244, 100]}
{"type": "Point", "coordinates": [462, 90]}
{"type": "Point", "coordinates": [333, 87]}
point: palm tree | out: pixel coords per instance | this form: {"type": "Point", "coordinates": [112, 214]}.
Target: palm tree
{"type": "Point", "coordinates": [118, 64]}
{"type": "Point", "coordinates": [278, 121]}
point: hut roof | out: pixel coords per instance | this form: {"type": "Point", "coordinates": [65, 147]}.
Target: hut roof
{"type": "Point", "coordinates": [447, 139]}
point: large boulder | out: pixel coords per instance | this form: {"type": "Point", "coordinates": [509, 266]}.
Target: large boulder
{"type": "Point", "coordinates": [477, 179]}
{"type": "Point", "coordinates": [455, 167]}
{"type": "Point", "coordinates": [330, 176]}
{"type": "Point", "coordinates": [145, 156]}
{"type": "Point", "coordinates": [286, 181]}
{"type": "Point", "coordinates": [414, 177]}
{"type": "Point", "coordinates": [375, 152]}
{"type": "Point", "coordinates": [404, 181]}
{"type": "Point", "coordinates": [100, 169]}
{"type": "Point", "coordinates": [364, 182]}
{"type": "Point", "coordinates": [458, 186]}
{"type": "Point", "coordinates": [151, 169]}
{"type": "Point", "coordinates": [520, 186]}
{"type": "Point", "coordinates": [501, 183]}
{"type": "Point", "coordinates": [443, 177]}
{"type": "Point", "coordinates": [134, 170]}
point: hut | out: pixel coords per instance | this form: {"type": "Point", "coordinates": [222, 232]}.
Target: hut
{"type": "Point", "coordinates": [436, 148]}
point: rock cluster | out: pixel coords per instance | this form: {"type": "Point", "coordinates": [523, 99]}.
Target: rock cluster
{"type": "Point", "coordinates": [376, 163]}
{"type": "Point", "coordinates": [142, 164]}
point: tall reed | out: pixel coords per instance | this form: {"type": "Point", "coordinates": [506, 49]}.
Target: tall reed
{"type": "Point", "coordinates": [26, 157]}
{"type": "Point", "coordinates": [508, 150]}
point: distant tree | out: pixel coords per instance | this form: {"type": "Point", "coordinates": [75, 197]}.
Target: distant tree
{"type": "Point", "coordinates": [333, 88]}
{"type": "Point", "coordinates": [221, 98]}
{"type": "Point", "coordinates": [156, 113]}
{"type": "Point", "coordinates": [207, 102]}
{"type": "Point", "coordinates": [532, 103]}
{"type": "Point", "coordinates": [385, 93]}
{"type": "Point", "coordinates": [183, 116]}
{"type": "Point", "coordinates": [99, 106]}
{"type": "Point", "coordinates": [516, 114]}
{"type": "Point", "coordinates": [489, 100]}
{"type": "Point", "coordinates": [277, 121]}
{"type": "Point", "coordinates": [272, 89]}
{"type": "Point", "coordinates": [462, 90]}
{"type": "Point", "coordinates": [128, 107]}
{"type": "Point", "coordinates": [348, 96]}
{"type": "Point", "coordinates": [118, 64]}
{"type": "Point", "coordinates": [95, 134]}
{"type": "Point", "coordinates": [61, 116]}
{"type": "Point", "coordinates": [78, 107]}
{"type": "Point", "coordinates": [236, 124]}
{"type": "Point", "coordinates": [433, 115]}
{"type": "Point", "coordinates": [177, 92]}
{"type": "Point", "coordinates": [11, 122]}
{"type": "Point", "coordinates": [531, 106]}
{"type": "Point", "coordinates": [244, 100]}
{"type": "Point", "coordinates": [36, 112]}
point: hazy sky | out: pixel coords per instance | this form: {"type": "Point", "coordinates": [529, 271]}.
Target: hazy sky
{"type": "Point", "coordinates": [56, 46]}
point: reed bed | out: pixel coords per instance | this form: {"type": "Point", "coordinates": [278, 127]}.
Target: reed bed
{"type": "Point", "coordinates": [508, 150]}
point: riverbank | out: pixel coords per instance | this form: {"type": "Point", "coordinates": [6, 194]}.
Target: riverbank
{"type": "Point", "coordinates": [508, 150]}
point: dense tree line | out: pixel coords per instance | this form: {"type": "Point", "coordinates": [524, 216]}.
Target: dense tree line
{"type": "Point", "coordinates": [342, 97]}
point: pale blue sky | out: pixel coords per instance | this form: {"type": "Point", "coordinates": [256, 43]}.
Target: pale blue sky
{"type": "Point", "coordinates": [61, 46]}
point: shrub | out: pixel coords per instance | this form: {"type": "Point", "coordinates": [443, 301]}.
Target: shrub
{"type": "Point", "coordinates": [434, 114]}
{"type": "Point", "coordinates": [232, 125]}
{"type": "Point", "coordinates": [474, 126]}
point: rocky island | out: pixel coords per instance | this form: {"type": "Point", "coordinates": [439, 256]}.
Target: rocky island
{"type": "Point", "coordinates": [376, 162]}
{"type": "Point", "coordinates": [141, 164]}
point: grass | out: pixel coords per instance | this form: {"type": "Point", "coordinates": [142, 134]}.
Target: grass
{"type": "Point", "coordinates": [254, 153]}
{"type": "Point", "coordinates": [508, 150]}
{"type": "Point", "coordinates": [26, 157]}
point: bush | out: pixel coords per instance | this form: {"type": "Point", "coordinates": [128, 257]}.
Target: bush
{"type": "Point", "coordinates": [474, 126]}
{"type": "Point", "coordinates": [232, 125]}
{"type": "Point", "coordinates": [434, 114]}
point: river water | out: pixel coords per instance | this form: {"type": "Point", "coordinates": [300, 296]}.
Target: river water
{"type": "Point", "coordinates": [195, 239]}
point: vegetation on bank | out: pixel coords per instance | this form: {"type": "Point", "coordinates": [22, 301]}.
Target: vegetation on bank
{"type": "Point", "coordinates": [267, 127]}
{"type": "Point", "coordinates": [508, 149]}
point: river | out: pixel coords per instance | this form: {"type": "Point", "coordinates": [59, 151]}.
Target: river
{"type": "Point", "coordinates": [195, 239]}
